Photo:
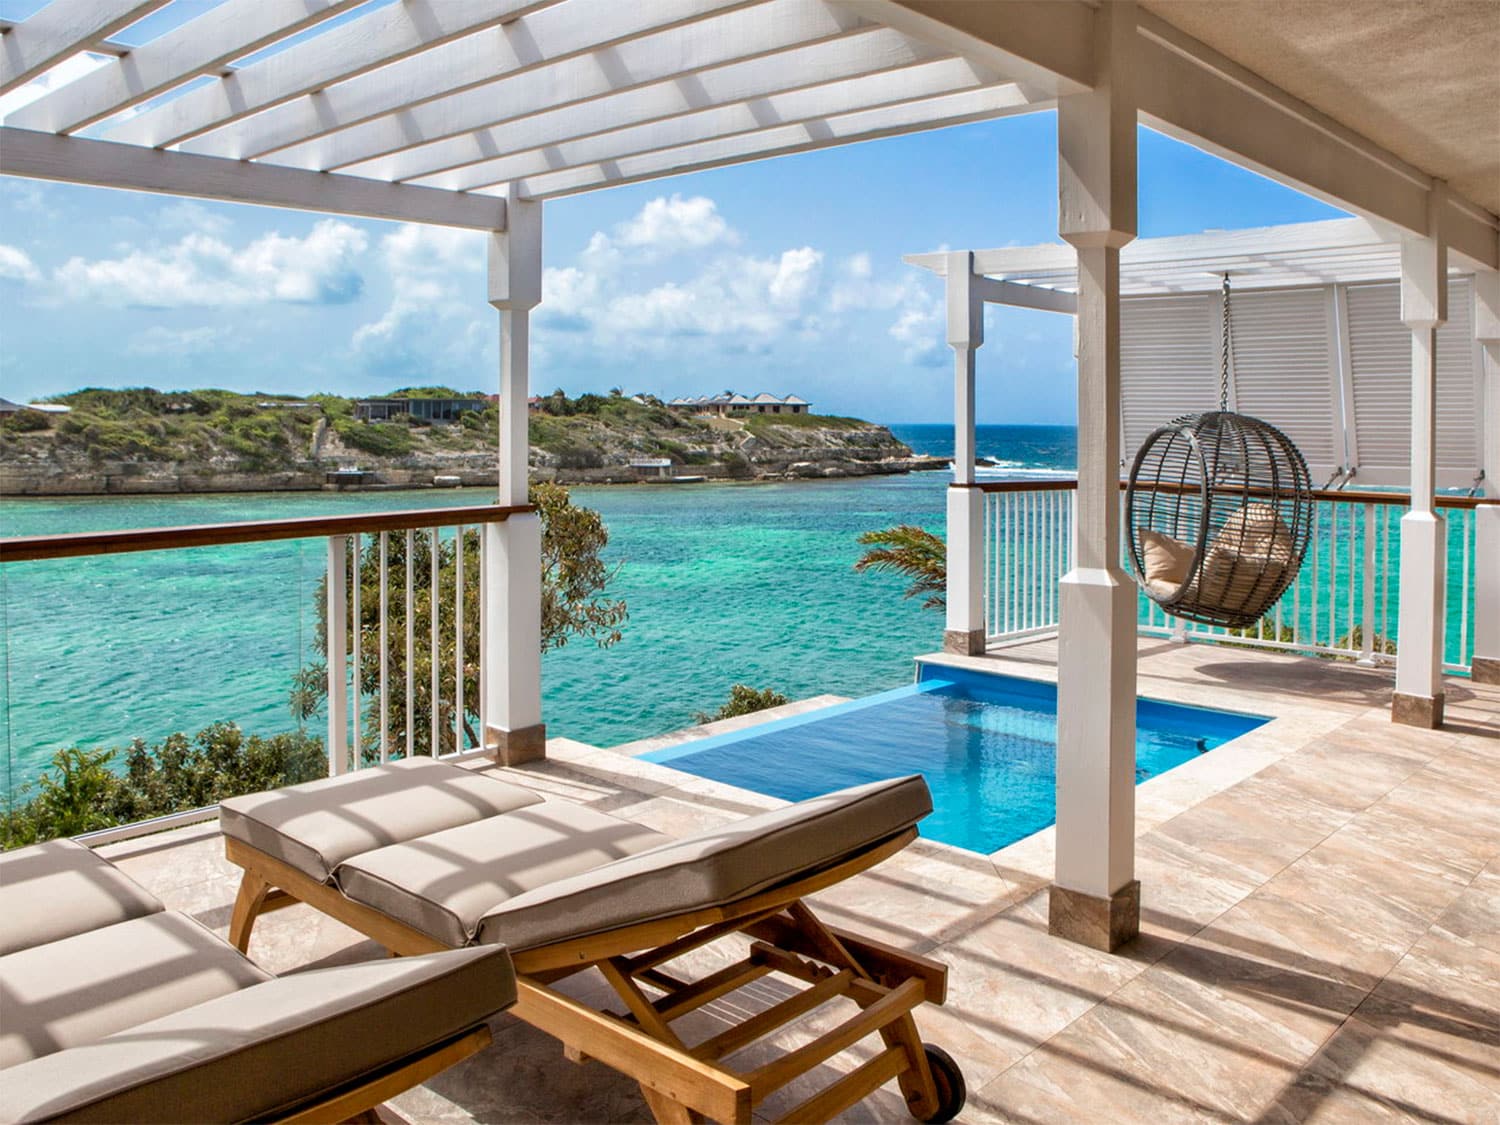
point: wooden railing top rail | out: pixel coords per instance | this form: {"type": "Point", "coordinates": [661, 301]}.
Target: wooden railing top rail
{"type": "Point", "coordinates": [26, 548]}
{"type": "Point", "coordinates": [1345, 496]}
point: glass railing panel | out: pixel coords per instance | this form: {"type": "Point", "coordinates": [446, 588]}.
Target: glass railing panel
{"type": "Point", "coordinates": [143, 684]}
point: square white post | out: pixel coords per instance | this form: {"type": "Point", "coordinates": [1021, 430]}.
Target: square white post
{"type": "Point", "coordinates": [1486, 669]}
{"type": "Point", "coordinates": [511, 619]}
{"type": "Point", "coordinates": [1418, 700]}
{"type": "Point", "coordinates": [1095, 898]}
{"type": "Point", "coordinates": [965, 629]}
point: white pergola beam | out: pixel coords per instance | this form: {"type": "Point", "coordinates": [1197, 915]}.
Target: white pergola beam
{"type": "Point", "coordinates": [910, 117]}
{"type": "Point", "coordinates": [381, 38]}
{"type": "Point", "coordinates": [1025, 296]}
{"type": "Point", "coordinates": [201, 46]}
{"type": "Point", "coordinates": [63, 28]}
{"type": "Point", "coordinates": [1046, 45]}
{"type": "Point", "coordinates": [532, 41]}
{"type": "Point", "coordinates": [78, 160]}
{"type": "Point", "coordinates": [461, 129]}
{"type": "Point", "coordinates": [758, 97]}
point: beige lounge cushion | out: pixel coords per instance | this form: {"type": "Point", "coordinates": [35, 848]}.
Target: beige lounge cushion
{"type": "Point", "coordinates": [265, 1050]}
{"type": "Point", "coordinates": [82, 988]}
{"type": "Point", "coordinates": [444, 883]}
{"type": "Point", "coordinates": [61, 888]}
{"type": "Point", "coordinates": [317, 825]}
{"type": "Point", "coordinates": [711, 868]}
{"type": "Point", "coordinates": [1247, 559]}
{"type": "Point", "coordinates": [1168, 562]}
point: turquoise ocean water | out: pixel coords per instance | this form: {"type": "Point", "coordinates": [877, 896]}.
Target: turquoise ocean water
{"type": "Point", "coordinates": [726, 583]}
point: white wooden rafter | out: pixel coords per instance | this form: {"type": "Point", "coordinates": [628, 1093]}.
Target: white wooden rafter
{"type": "Point", "coordinates": [63, 28]}
{"type": "Point", "coordinates": [79, 160]}
{"type": "Point", "coordinates": [459, 129]}
{"type": "Point", "coordinates": [663, 108]}
{"type": "Point", "coordinates": [378, 39]}
{"type": "Point", "coordinates": [909, 117]}
{"type": "Point", "coordinates": [739, 117]}
{"type": "Point", "coordinates": [204, 46]}
{"type": "Point", "coordinates": [526, 43]}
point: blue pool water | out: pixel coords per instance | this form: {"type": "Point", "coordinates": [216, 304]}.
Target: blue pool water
{"type": "Point", "coordinates": [987, 745]}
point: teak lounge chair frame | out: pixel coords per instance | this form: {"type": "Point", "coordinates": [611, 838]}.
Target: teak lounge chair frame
{"type": "Point", "coordinates": [680, 1082]}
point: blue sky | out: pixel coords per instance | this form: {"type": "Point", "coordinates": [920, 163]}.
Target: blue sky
{"type": "Point", "coordinates": [783, 276]}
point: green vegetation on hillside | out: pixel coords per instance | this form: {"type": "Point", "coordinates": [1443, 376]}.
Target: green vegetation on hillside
{"type": "Point", "coordinates": [261, 433]}
{"type": "Point", "coordinates": [759, 422]}
{"type": "Point", "coordinates": [146, 424]}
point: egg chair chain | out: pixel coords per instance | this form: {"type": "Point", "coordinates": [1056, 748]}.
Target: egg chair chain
{"type": "Point", "coordinates": [1224, 351]}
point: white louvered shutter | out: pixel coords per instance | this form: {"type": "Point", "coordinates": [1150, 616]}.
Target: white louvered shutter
{"type": "Point", "coordinates": [1380, 364]}
{"type": "Point", "coordinates": [1380, 370]}
{"type": "Point", "coordinates": [1284, 372]}
{"type": "Point", "coordinates": [1458, 391]}
{"type": "Point", "coordinates": [1169, 363]}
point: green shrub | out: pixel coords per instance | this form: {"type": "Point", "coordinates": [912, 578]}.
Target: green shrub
{"type": "Point", "coordinates": [382, 439]}
{"type": "Point", "coordinates": [743, 700]}
{"type": "Point", "coordinates": [80, 792]}
{"type": "Point", "coordinates": [26, 422]}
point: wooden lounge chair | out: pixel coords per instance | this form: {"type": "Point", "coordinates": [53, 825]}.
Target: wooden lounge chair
{"type": "Point", "coordinates": [113, 1008]}
{"type": "Point", "coordinates": [422, 856]}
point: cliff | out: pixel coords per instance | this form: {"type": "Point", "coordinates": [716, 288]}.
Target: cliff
{"type": "Point", "coordinates": [144, 441]}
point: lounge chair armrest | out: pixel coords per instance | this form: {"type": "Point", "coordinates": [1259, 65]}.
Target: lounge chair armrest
{"type": "Point", "coordinates": [267, 1049]}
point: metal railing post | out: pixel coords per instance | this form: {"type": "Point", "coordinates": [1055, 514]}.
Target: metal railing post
{"type": "Point", "coordinates": [1367, 610]}
{"type": "Point", "coordinates": [338, 648]}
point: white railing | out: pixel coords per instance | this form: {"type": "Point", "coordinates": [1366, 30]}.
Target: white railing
{"type": "Point", "coordinates": [1028, 536]}
{"type": "Point", "coordinates": [404, 593]}
{"type": "Point", "coordinates": [1344, 602]}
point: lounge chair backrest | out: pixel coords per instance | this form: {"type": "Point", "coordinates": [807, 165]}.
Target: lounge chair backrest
{"type": "Point", "coordinates": [713, 867]}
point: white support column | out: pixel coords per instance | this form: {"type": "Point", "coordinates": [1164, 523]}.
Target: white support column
{"type": "Point", "coordinates": [1486, 668]}
{"type": "Point", "coordinates": [511, 635]}
{"type": "Point", "coordinates": [1424, 545]}
{"type": "Point", "coordinates": [965, 631]}
{"type": "Point", "coordinates": [1095, 897]}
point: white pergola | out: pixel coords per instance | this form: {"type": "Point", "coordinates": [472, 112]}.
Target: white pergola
{"type": "Point", "coordinates": [472, 113]}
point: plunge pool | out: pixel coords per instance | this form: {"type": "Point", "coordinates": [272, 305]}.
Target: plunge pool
{"type": "Point", "coordinates": [986, 743]}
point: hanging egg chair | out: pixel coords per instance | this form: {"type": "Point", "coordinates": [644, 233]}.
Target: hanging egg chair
{"type": "Point", "coordinates": [1218, 509]}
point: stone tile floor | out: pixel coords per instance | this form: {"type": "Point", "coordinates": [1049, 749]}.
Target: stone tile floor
{"type": "Point", "coordinates": [1320, 926]}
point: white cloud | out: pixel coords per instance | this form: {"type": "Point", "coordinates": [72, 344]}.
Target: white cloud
{"type": "Point", "coordinates": [185, 214]}
{"type": "Point", "coordinates": [435, 325]}
{"type": "Point", "coordinates": [174, 342]}
{"type": "Point", "coordinates": [669, 226]}
{"type": "Point", "coordinates": [919, 329]}
{"type": "Point", "coordinates": [614, 295]}
{"type": "Point", "coordinates": [202, 270]}
{"type": "Point", "coordinates": [17, 265]}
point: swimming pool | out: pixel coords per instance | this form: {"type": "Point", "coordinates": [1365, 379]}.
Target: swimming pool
{"type": "Point", "coordinates": [987, 745]}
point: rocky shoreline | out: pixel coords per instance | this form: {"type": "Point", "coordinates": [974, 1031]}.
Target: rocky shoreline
{"type": "Point", "coordinates": [818, 454]}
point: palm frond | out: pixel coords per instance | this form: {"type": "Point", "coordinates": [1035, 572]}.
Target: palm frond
{"type": "Point", "coordinates": [912, 552]}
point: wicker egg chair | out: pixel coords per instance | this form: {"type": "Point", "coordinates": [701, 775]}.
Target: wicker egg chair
{"type": "Point", "coordinates": [1219, 510]}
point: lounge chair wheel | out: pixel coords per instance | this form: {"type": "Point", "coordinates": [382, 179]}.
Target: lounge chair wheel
{"type": "Point", "coordinates": [949, 1080]}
